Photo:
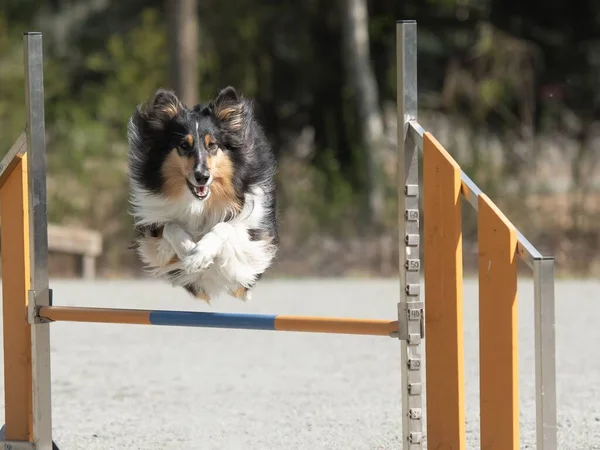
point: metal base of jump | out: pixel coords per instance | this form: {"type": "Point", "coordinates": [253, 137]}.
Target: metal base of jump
{"type": "Point", "coordinates": [19, 445]}
{"type": "Point", "coordinates": [269, 322]}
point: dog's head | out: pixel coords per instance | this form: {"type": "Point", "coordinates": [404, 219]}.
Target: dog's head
{"type": "Point", "coordinates": [177, 151]}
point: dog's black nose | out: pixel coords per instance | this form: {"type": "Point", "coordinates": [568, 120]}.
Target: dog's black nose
{"type": "Point", "coordinates": [201, 176]}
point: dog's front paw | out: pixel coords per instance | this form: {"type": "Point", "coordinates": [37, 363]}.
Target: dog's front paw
{"type": "Point", "coordinates": [197, 261]}
{"type": "Point", "coordinates": [203, 255]}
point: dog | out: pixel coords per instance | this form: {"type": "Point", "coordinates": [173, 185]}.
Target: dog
{"type": "Point", "coordinates": [202, 193]}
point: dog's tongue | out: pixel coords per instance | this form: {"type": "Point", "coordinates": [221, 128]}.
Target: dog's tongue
{"type": "Point", "coordinates": [201, 190]}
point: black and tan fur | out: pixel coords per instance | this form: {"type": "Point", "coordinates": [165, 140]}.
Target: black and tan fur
{"type": "Point", "coordinates": [179, 212]}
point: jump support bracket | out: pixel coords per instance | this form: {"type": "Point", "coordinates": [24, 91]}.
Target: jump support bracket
{"type": "Point", "coordinates": [407, 313]}
{"type": "Point", "coordinates": [33, 310]}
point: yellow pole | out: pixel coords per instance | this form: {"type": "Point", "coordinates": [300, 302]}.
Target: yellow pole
{"type": "Point", "coordinates": [444, 298]}
{"type": "Point", "coordinates": [14, 210]}
{"type": "Point", "coordinates": [498, 344]}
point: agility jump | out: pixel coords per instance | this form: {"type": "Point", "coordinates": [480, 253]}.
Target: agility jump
{"type": "Point", "coordinates": [28, 310]}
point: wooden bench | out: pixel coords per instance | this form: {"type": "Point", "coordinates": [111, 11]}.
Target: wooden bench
{"type": "Point", "coordinates": [82, 242]}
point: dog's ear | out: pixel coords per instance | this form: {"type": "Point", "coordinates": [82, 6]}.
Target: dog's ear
{"type": "Point", "coordinates": [160, 108]}
{"type": "Point", "coordinates": [233, 114]}
{"type": "Point", "coordinates": [166, 103]}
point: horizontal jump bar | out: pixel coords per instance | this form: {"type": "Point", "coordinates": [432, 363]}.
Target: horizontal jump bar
{"type": "Point", "coordinates": [273, 322]}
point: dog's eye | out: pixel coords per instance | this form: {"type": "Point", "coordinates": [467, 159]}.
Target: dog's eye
{"type": "Point", "coordinates": [213, 146]}
{"type": "Point", "coordinates": [185, 145]}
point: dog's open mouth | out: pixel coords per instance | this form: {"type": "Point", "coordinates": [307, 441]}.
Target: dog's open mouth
{"type": "Point", "coordinates": [200, 192]}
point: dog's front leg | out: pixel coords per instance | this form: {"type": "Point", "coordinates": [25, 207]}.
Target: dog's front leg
{"type": "Point", "coordinates": [208, 248]}
{"type": "Point", "coordinates": [181, 241]}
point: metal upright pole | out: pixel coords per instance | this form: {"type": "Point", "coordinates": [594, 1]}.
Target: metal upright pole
{"type": "Point", "coordinates": [545, 354]}
{"type": "Point", "coordinates": [39, 294]}
{"type": "Point", "coordinates": [410, 308]}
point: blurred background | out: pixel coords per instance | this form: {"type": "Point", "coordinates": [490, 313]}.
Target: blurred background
{"type": "Point", "coordinates": [509, 88]}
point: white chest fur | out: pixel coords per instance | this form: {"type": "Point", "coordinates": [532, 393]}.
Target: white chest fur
{"type": "Point", "coordinates": [235, 259]}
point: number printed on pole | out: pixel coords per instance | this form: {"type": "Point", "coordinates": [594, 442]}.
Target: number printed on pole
{"type": "Point", "coordinates": [414, 364]}
{"type": "Point", "coordinates": [414, 314]}
{"type": "Point", "coordinates": [411, 214]}
{"type": "Point", "coordinates": [413, 265]}
{"type": "Point", "coordinates": [415, 413]}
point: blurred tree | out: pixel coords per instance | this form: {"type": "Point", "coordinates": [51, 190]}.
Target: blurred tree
{"type": "Point", "coordinates": [362, 79]}
{"type": "Point", "coordinates": [183, 48]}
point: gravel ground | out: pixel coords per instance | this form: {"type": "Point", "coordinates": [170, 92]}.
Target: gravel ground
{"type": "Point", "coordinates": [140, 387]}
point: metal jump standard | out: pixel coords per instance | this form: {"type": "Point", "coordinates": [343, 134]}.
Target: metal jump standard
{"type": "Point", "coordinates": [28, 310]}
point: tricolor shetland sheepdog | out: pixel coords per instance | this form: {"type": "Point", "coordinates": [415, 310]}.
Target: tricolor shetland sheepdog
{"type": "Point", "coordinates": [203, 193]}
